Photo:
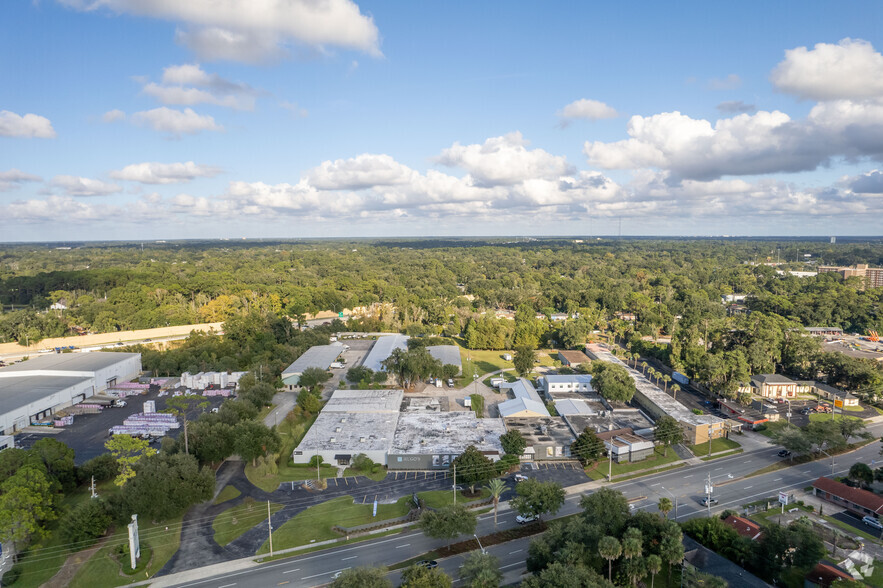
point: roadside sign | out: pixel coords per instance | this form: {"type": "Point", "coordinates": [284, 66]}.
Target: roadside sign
{"type": "Point", "coordinates": [340, 314]}
{"type": "Point", "coordinates": [784, 497]}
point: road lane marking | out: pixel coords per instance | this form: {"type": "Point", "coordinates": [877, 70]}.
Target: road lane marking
{"type": "Point", "coordinates": [324, 573]}
{"type": "Point", "coordinates": [227, 585]}
{"type": "Point", "coordinates": [656, 484]}
{"type": "Point", "coordinates": [282, 583]}
{"type": "Point", "coordinates": [518, 563]}
{"type": "Point", "coordinates": [777, 479]}
{"type": "Point", "coordinates": [747, 487]}
{"type": "Point", "coordinates": [516, 551]}
{"type": "Point", "coordinates": [285, 572]}
{"type": "Point", "coordinates": [405, 545]}
{"type": "Point", "coordinates": [720, 468]}
{"type": "Point", "coordinates": [690, 476]}
{"type": "Point", "coordinates": [351, 557]}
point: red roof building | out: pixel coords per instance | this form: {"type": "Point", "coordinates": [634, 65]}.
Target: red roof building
{"type": "Point", "coordinates": [856, 500]}
{"type": "Point", "coordinates": [824, 575]}
{"type": "Point", "coordinates": [746, 528]}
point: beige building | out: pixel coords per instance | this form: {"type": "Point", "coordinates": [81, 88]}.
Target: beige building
{"type": "Point", "coordinates": [873, 276]}
{"type": "Point", "coordinates": [774, 386]}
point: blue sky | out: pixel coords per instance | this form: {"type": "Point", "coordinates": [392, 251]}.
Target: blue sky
{"type": "Point", "coordinates": [157, 119]}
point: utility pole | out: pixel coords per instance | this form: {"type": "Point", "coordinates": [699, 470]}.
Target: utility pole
{"type": "Point", "coordinates": [454, 489]}
{"type": "Point", "coordinates": [94, 494]}
{"type": "Point", "coordinates": [610, 461]}
{"type": "Point", "coordinates": [270, 527]}
{"type": "Point", "coordinates": [708, 490]}
{"type": "Point", "coordinates": [317, 464]}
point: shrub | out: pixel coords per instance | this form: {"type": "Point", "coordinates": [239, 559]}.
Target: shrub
{"type": "Point", "coordinates": [12, 575]}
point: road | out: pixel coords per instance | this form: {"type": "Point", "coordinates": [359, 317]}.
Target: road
{"type": "Point", "coordinates": [731, 488]}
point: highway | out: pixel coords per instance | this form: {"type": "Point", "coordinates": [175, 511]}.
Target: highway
{"type": "Point", "coordinates": [687, 483]}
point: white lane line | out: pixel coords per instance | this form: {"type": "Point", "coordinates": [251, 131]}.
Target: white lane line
{"type": "Point", "coordinates": [324, 574]}
{"type": "Point", "coordinates": [227, 585]}
{"type": "Point", "coordinates": [656, 484]}
{"type": "Point", "coordinates": [516, 551]}
{"type": "Point", "coordinates": [351, 557]}
{"type": "Point", "coordinates": [291, 571]}
{"type": "Point", "coordinates": [747, 487]}
{"type": "Point", "coordinates": [690, 476]}
{"type": "Point", "coordinates": [518, 563]}
{"type": "Point", "coordinates": [405, 545]}
{"type": "Point", "coordinates": [777, 479]}
{"type": "Point", "coordinates": [720, 468]}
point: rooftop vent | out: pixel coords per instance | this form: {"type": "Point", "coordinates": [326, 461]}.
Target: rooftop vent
{"type": "Point", "coordinates": [343, 420]}
{"type": "Point", "coordinates": [337, 430]}
{"type": "Point", "coordinates": [333, 440]}
{"type": "Point", "coordinates": [361, 439]}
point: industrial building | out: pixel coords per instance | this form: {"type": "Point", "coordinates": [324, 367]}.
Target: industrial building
{"type": "Point", "coordinates": [382, 349]}
{"type": "Point", "coordinates": [318, 356]}
{"type": "Point", "coordinates": [526, 403]}
{"type": "Point", "coordinates": [431, 440]}
{"type": "Point", "coordinates": [557, 387]}
{"type": "Point", "coordinates": [35, 389]}
{"type": "Point", "coordinates": [698, 428]}
{"type": "Point", "coordinates": [448, 355]}
{"type": "Point", "coordinates": [572, 358]}
{"type": "Point", "coordinates": [547, 437]}
{"type": "Point", "coordinates": [611, 420]}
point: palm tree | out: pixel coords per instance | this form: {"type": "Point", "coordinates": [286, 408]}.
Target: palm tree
{"type": "Point", "coordinates": [675, 388]}
{"type": "Point", "coordinates": [666, 378]}
{"type": "Point", "coordinates": [635, 357]}
{"type": "Point", "coordinates": [643, 367]}
{"type": "Point", "coordinates": [654, 564]}
{"type": "Point", "coordinates": [496, 487]}
{"type": "Point", "coordinates": [632, 543]}
{"type": "Point", "coordinates": [609, 548]}
{"type": "Point", "coordinates": [664, 506]}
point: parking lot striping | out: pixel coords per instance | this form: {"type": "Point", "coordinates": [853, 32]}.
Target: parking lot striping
{"type": "Point", "coordinates": [405, 545]}
{"type": "Point", "coordinates": [350, 557]}
{"type": "Point", "coordinates": [285, 572]}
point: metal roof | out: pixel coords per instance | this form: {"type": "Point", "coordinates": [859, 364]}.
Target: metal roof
{"type": "Point", "coordinates": [573, 406]}
{"type": "Point", "coordinates": [24, 390]}
{"type": "Point", "coordinates": [363, 401]}
{"type": "Point", "coordinates": [318, 356]}
{"type": "Point", "coordinates": [347, 432]}
{"type": "Point", "coordinates": [382, 349]}
{"type": "Point", "coordinates": [447, 354]}
{"type": "Point", "coordinates": [517, 405]}
{"type": "Point", "coordinates": [67, 362]}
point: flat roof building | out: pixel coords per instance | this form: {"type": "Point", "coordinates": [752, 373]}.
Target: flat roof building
{"type": "Point", "coordinates": [318, 356]}
{"type": "Point", "coordinates": [572, 358]}
{"type": "Point", "coordinates": [33, 390]}
{"type": "Point", "coordinates": [547, 437]}
{"type": "Point", "coordinates": [427, 440]}
{"type": "Point", "coordinates": [382, 349]}
{"type": "Point", "coordinates": [447, 354]}
{"type": "Point", "coordinates": [558, 386]}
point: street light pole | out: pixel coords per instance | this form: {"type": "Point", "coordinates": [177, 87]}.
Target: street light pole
{"type": "Point", "coordinates": [675, 498]}
{"type": "Point", "coordinates": [479, 543]}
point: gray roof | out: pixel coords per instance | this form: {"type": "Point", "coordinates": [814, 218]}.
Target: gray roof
{"type": "Point", "coordinates": [353, 433]}
{"type": "Point", "coordinates": [318, 356]}
{"type": "Point", "coordinates": [22, 391]}
{"type": "Point", "coordinates": [573, 406]}
{"type": "Point", "coordinates": [709, 562]}
{"type": "Point", "coordinates": [542, 430]}
{"type": "Point", "coordinates": [362, 401]}
{"type": "Point", "coordinates": [771, 379]}
{"type": "Point", "coordinates": [447, 354]}
{"type": "Point", "coordinates": [617, 419]}
{"type": "Point", "coordinates": [382, 349]}
{"type": "Point", "coordinates": [516, 405]}
{"type": "Point", "coordinates": [446, 433]}
{"type": "Point", "coordinates": [568, 379]}
{"type": "Point", "coordinates": [67, 362]}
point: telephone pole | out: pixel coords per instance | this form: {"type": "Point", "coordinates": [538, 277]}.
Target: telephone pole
{"type": "Point", "coordinates": [455, 482]}
{"type": "Point", "coordinates": [270, 527]}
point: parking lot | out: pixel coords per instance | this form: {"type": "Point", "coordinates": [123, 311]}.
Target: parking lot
{"type": "Point", "coordinates": [89, 431]}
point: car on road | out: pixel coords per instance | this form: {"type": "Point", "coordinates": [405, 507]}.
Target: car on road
{"type": "Point", "coordinates": [705, 501]}
{"type": "Point", "coordinates": [520, 477]}
{"type": "Point", "coordinates": [784, 453]}
{"type": "Point", "coordinates": [872, 522]}
{"type": "Point", "coordinates": [522, 520]}
{"type": "Point", "coordinates": [427, 563]}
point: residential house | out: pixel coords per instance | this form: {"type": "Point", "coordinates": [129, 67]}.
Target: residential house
{"type": "Point", "coordinates": [858, 501]}
{"type": "Point", "coordinates": [745, 527]}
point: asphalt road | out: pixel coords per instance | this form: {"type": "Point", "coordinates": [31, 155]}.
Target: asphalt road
{"type": "Point", "coordinates": [731, 488]}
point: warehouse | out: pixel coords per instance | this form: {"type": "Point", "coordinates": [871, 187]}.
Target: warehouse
{"type": "Point", "coordinates": [382, 349]}
{"type": "Point", "coordinates": [318, 356]}
{"type": "Point", "coordinates": [526, 403]}
{"type": "Point", "coordinates": [448, 355]}
{"type": "Point", "coordinates": [432, 440]}
{"type": "Point", "coordinates": [35, 389]}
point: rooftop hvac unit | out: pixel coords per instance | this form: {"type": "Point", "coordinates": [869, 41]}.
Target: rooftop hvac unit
{"type": "Point", "coordinates": [361, 439]}
{"type": "Point", "coordinates": [332, 440]}
{"type": "Point", "coordinates": [337, 430]}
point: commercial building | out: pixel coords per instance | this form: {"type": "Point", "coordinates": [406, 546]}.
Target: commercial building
{"type": "Point", "coordinates": [572, 358]}
{"type": "Point", "coordinates": [526, 401]}
{"type": "Point", "coordinates": [858, 501]}
{"type": "Point", "coordinates": [352, 422]}
{"type": "Point", "coordinates": [611, 420]}
{"type": "Point", "coordinates": [382, 349]}
{"type": "Point", "coordinates": [318, 356]}
{"type": "Point", "coordinates": [447, 354]}
{"type": "Point", "coordinates": [872, 276]}
{"type": "Point", "coordinates": [548, 438]}
{"type": "Point", "coordinates": [625, 446]}
{"type": "Point", "coordinates": [698, 428]}
{"type": "Point", "coordinates": [772, 386]}
{"type": "Point", "coordinates": [557, 387]}
{"type": "Point", "coordinates": [432, 440]}
{"type": "Point", "coordinates": [840, 398]}
{"type": "Point", "coordinates": [35, 389]}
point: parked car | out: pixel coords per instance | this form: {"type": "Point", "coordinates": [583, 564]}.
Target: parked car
{"type": "Point", "coordinates": [450, 383]}
{"type": "Point", "coordinates": [522, 520]}
{"type": "Point", "coordinates": [872, 522]}
{"type": "Point", "coordinates": [784, 453]}
{"type": "Point", "coordinates": [705, 501]}
{"type": "Point", "coordinates": [520, 477]}
{"type": "Point", "coordinates": [120, 403]}
{"type": "Point", "coordinates": [427, 563]}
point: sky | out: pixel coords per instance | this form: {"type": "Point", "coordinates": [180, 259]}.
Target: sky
{"type": "Point", "coordinates": [162, 119]}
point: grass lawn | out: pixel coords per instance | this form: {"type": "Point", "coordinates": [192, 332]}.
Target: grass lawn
{"type": "Point", "coordinates": [103, 568]}
{"type": "Point", "coordinates": [717, 445]}
{"type": "Point", "coordinates": [235, 521]}
{"type": "Point", "coordinates": [481, 362]}
{"type": "Point", "coordinates": [827, 417]}
{"type": "Point", "coordinates": [508, 376]}
{"type": "Point", "coordinates": [315, 523]}
{"type": "Point", "coordinates": [441, 498]}
{"type": "Point", "coordinates": [853, 408]}
{"type": "Point", "coordinates": [228, 493]}
{"type": "Point", "coordinates": [477, 404]}
{"type": "Point", "coordinates": [599, 470]}
{"type": "Point", "coordinates": [377, 473]}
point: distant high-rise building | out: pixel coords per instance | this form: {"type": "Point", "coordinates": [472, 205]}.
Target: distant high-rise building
{"type": "Point", "coordinates": [833, 240]}
{"type": "Point", "coordinates": [873, 275]}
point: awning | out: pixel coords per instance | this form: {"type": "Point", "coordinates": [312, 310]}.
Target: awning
{"type": "Point", "coordinates": [529, 450]}
{"type": "Point", "coordinates": [341, 456]}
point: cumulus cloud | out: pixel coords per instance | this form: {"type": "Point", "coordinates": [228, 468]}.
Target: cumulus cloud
{"type": "Point", "coordinates": [176, 122]}
{"type": "Point", "coordinates": [868, 183]}
{"type": "Point", "coordinates": [189, 84]}
{"type": "Point", "coordinates": [504, 160]}
{"type": "Point", "coordinates": [735, 107]}
{"type": "Point", "coordinates": [55, 209]}
{"type": "Point", "coordinates": [359, 172]}
{"type": "Point", "coordinates": [586, 109]}
{"type": "Point", "coordinates": [113, 116]}
{"type": "Point", "coordinates": [731, 82]}
{"type": "Point", "coordinates": [164, 173]}
{"type": "Point", "coordinates": [255, 30]}
{"type": "Point", "coordinates": [79, 186]}
{"type": "Point", "coordinates": [28, 125]}
{"type": "Point", "coordinates": [14, 178]}
{"type": "Point", "coordinates": [851, 69]}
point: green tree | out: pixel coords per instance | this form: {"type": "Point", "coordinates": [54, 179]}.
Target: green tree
{"type": "Point", "coordinates": [862, 473]}
{"type": "Point", "coordinates": [654, 564]}
{"type": "Point", "coordinates": [26, 503]}
{"type": "Point", "coordinates": [309, 400]}
{"type": "Point", "coordinates": [665, 506]}
{"type": "Point", "coordinates": [447, 522]}
{"type": "Point", "coordinates": [212, 441]}
{"type": "Point", "coordinates": [481, 570]}
{"type": "Point", "coordinates": [852, 427]}
{"type": "Point", "coordinates": [127, 451]}
{"type": "Point", "coordinates": [253, 439]}
{"type": "Point", "coordinates": [609, 548]}
{"type": "Point", "coordinates": [587, 448]}
{"type": "Point", "coordinates": [559, 575]}
{"type": "Point", "coordinates": [362, 578]}
{"type": "Point", "coordinates": [607, 509]}
{"type": "Point", "coordinates": [418, 576]}
{"type": "Point", "coordinates": [496, 487]}
{"type": "Point", "coordinates": [669, 432]}
{"type": "Point", "coordinates": [358, 374]}
{"type": "Point", "coordinates": [613, 381]}
{"type": "Point", "coordinates": [59, 461]}
{"type": "Point", "coordinates": [472, 468]}
{"type": "Point", "coordinates": [164, 487]}
{"type": "Point", "coordinates": [513, 442]}
{"type": "Point", "coordinates": [524, 359]}
{"type": "Point", "coordinates": [450, 371]}
{"type": "Point", "coordinates": [535, 498]}
{"type": "Point", "coordinates": [313, 377]}
{"type": "Point", "coordinates": [85, 523]}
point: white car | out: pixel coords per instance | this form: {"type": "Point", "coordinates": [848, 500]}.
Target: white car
{"type": "Point", "coordinates": [522, 520]}
{"type": "Point", "coordinates": [520, 477]}
{"type": "Point", "coordinates": [872, 522]}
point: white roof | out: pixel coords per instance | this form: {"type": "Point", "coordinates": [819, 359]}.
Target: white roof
{"type": "Point", "coordinates": [67, 364]}
{"type": "Point", "coordinates": [362, 401]}
{"type": "Point", "coordinates": [569, 379]}
{"type": "Point", "coordinates": [382, 349]}
{"type": "Point", "coordinates": [446, 433]}
{"type": "Point", "coordinates": [447, 354]}
{"type": "Point", "coordinates": [517, 405]}
{"type": "Point", "coordinates": [318, 356]}
{"type": "Point", "coordinates": [572, 406]}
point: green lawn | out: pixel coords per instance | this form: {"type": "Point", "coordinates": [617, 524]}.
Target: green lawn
{"type": "Point", "coordinates": [827, 417]}
{"type": "Point", "coordinates": [315, 523]}
{"type": "Point", "coordinates": [228, 493]}
{"type": "Point", "coordinates": [104, 570]}
{"type": "Point", "coordinates": [235, 521]}
{"type": "Point", "coordinates": [442, 498]}
{"type": "Point", "coordinates": [481, 362]}
{"type": "Point", "coordinates": [508, 376]}
{"type": "Point", "coordinates": [377, 473]}
{"type": "Point", "coordinates": [477, 404]}
{"type": "Point", "coordinates": [599, 470]}
{"type": "Point", "coordinates": [717, 445]}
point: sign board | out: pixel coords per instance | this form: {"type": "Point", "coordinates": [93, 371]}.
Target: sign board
{"type": "Point", "coordinates": [134, 543]}
{"type": "Point", "coordinates": [340, 315]}
{"type": "Point", "coordinates": [784, 497]}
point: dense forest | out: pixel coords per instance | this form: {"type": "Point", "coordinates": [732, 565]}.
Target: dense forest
{"type": "Point", "coordinates": [453, 288]}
